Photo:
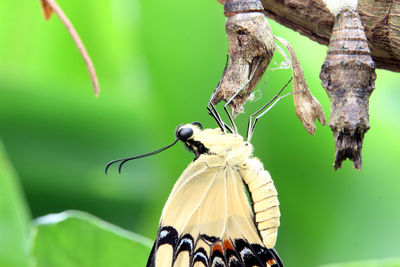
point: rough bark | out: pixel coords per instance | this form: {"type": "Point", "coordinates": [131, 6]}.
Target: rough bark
{"type": "Point", "coordinates": [381, 21]}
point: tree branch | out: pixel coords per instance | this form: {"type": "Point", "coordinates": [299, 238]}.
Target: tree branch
{"type": "Point", "coordinates": [381, 20]}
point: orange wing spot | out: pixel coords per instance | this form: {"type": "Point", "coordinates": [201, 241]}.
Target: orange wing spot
{"type": "Point", "coordinates": [271, 262]}
{"type": "Point", "coordinates": [228, 245]}
{"type": "Point", "coordinates": [217, 246]}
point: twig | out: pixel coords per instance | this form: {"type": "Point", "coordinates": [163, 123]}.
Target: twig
{"type": "Point", "coordinates": [75, 36]}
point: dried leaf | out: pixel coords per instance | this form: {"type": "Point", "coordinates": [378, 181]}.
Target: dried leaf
{"type": "Point", "coordinates": [47, 10]}
{"type": "Point", "coordinates": [307, 107]}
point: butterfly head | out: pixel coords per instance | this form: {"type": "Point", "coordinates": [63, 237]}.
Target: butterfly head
{"type": "Point", "coordinates": [188, 134]}
{"type": "Point", "coordinates": [199, 141]}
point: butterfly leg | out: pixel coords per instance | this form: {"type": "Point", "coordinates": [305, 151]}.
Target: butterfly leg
{"type": "Point", "coordinates": [219, 83]}
{"type": "Point", "coordinates": [235, 95]}
{"type": "Point", "coordinates": [268, 105]}
{"type": "Point", "coordinates": [214, 113]}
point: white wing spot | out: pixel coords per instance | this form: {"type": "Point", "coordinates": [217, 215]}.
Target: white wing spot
{"type": "Point", "coordinates": [163, 234]}
{"type": "Point", "coordinates": [201, 255]}
{"type": "Point", "coordinates": [217, 260]}
{"type": "Point", "coordinates": [245, 251]}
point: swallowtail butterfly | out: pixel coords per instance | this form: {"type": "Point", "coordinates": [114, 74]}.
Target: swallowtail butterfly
{"type": "Point", "coordinates": [208, 219]}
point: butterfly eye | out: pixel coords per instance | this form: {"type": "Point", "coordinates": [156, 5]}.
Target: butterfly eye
{"type": "Point", "coordinates": [198, 124]}
{"type": "Point", "coordinates": [185, 133]}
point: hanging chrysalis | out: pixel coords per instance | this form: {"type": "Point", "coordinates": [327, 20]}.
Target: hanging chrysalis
{"type": "Point", "coordinates": [251, 47]}
{"type": "Point", "coordinates": [348, 76]}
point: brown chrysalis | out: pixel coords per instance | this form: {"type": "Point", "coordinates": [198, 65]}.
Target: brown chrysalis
{"type": "Point", "coordinates": [348, 76]}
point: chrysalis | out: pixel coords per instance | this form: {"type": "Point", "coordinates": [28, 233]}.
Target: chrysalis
{"type": "Point", "coordinates": [348, 76]}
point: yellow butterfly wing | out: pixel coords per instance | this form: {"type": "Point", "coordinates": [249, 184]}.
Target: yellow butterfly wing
{"type": "Point", "coordinates": [207, 221]}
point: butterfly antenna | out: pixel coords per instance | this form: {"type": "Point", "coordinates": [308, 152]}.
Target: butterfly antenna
{"type": "Point", "coordinates": [272, 102]}
{"type": "Point", "coordinates": [124, 160]}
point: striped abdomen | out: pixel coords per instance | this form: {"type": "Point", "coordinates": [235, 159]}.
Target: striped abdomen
{"type": "Point", "coordinates": [348, 76]}
{"type": "Point", "coordinates": [264, 199]}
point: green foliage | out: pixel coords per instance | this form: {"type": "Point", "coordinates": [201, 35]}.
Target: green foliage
{"type": "Point", "coordinates": [70, 238]}
{"type": "Point", "coordinates": [14, 217]}
{"type": "Point", "coordinates": [75, 238]}
{"type": "Point", "coordinates": [395, 262]}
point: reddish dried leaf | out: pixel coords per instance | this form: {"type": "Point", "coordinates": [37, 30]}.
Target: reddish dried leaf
{"type": "Point", "coordinates": [47, 10]}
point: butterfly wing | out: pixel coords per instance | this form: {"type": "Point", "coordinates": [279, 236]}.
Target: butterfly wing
{"type": "Point", "coordinates": [207, 221]}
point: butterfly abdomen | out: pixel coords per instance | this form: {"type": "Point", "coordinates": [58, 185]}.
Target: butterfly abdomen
{"type": "Point", "coordinates": [264, 198]}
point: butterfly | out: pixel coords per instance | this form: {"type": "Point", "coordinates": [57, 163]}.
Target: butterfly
{"type": "Point", "coordinates": [208, 219]}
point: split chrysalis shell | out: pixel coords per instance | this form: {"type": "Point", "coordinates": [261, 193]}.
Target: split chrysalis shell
{"type": "Point", "coordinates": [251, 47]}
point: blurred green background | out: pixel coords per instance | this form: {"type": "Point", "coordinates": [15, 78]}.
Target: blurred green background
{"type": "Point", "coordinates": [158, 62]}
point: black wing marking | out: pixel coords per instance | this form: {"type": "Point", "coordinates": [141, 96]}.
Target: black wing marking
{"type": "Point", "coordinates": [222, 253]}
{"type": "Point", "coordinates": [191, 230]}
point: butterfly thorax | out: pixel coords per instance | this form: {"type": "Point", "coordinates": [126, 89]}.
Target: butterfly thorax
{"type": "Point", "coordinates": [228, 146]}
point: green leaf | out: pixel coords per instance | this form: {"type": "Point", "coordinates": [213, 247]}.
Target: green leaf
{"type": "Point", "coordinates": [75, 238]}
{"type": "Point", "coordinates": [392, 262]}
{"type": "Point", "coordinates": [14, 217]}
